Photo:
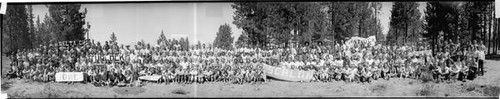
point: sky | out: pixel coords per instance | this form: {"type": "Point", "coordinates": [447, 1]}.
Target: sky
{"type": "Point", "coordinates": [144, 21]}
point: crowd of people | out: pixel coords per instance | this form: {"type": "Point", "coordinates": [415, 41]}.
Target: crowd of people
{"type": "Point", "coordinates": [363, 61]}
{"type": "Point", "coordinates": [110, 64]}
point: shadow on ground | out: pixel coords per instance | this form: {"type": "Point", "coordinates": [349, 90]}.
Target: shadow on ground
{"type": "Point", "coordinates": [129, 90]}
{"type": "Point", "coordinates": [180, 91]}
{"type": "Point", "coordinates": [6, 85]}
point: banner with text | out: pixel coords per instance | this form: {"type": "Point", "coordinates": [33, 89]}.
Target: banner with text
{"type": "Point", "coordinates": [370, 40]}
{"type": "Point", "coordinates": [69, 76]}
{"type": "Point", "coordinates": [288, 74]}
{"type": "Point", "coordinates": [150, 78]}
{"type": "Point", "coordinates": [424, 52]}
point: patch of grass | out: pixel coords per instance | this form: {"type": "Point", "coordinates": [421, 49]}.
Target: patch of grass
{"type": "Point", "coordinates": [491, 91]}
{"type": "Point", "coordinates": [51, 92]}
{"type": "Point", "coordinates": [180, 91]}
{"type": "Point", "coordinates": [426, 77]}
{"type": "Point", "coordinates": [470, 88]}
{"type": "Point", "coordinates": [16, 95]}
{"type": "Point", "coordinates": [427, 90]}
{"type": "Point", "coordinates": [6, 85]}
{"type": "Point", "coordinates": [380, 88]}
{"type": "Point", "coordinates": [129, 90]}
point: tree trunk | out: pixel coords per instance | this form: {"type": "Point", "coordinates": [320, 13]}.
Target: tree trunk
{"type": "Point", "coordinates": [395, 36]}
{"type": "Point", "coordinates": [495, 34]}
{"type": "Point", "coordinates": [483, 28]}
{"type": "Point", "coordinates": [489, 29]}
{"type": "Point", "coordinates": [333, 22]}
{"type": "Point", "coordinates": [406, 32]}
{"type": "Point", "coordinates": [456, 25]}
{"type": "Point", "coordinates": [492, 28]}
{"type": "Point", "coordinates": [470, 29]}
{"type": "Point", "coordinates": [434, 37]}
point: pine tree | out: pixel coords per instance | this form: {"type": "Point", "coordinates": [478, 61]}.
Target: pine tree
{"type": "Point", "coordinates": [224, 40]}
{"type": "Point", "coordinates": [182, 43]}
{"type": "Point", "coordinates": [162, 39]}
{"type": "Point", "coordinates": [187, 43]}
{"type": "Point", "coordinates": [404, 17]}
{"type": "Point", "coordinates": [198, 44]}
{"type": "Point", "coordinates": [15, 29]}
{"type": "Point", "coordinates": [242, 40]}
{"type": "Point", "coordinates": [67, 22]}
{"type": "Point", "coordinates": [113, 37]}
{"type": "Point", "coordinates": [30, 40]}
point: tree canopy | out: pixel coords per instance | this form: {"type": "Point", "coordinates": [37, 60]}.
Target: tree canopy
{"type": "Point", "coordinates": [224, 38]}
{"type": "Point", "coordinates": [280, 23]}
{"type": "Point", "coordinates": [405, 24]}
{"type": "Point", "coordinates": [15, 30]}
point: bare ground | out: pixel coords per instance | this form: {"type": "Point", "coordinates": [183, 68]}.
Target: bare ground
{"type": "Point", "coordinates": [487, 85]}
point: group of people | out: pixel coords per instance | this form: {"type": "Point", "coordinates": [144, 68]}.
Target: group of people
{"type": "Point", "coordinates": [363, 61]}
{"type": "Point", "coordinates": [110, 64]}
{"type": "Point", "coordinates": [357, 61]}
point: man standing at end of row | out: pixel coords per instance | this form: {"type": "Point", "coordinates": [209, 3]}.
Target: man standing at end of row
{"type": "Point", "coordinates": [481, 56]}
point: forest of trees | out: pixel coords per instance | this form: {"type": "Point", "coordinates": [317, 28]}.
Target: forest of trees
{"type": "Point", "coordinates": [15, 29]}
{"type": "Point", "coordinates": [406, 23]}
{"type": "Point", "coordinates": [281, 23]}
{"type": "Point", "coordinates": [460, 22]}
{"type": "Point", "coordinates": [64, 22]}
{"type": "Point", "coordinates": [265, 23]}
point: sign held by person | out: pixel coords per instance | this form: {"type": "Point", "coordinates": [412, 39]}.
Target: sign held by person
{"type": "Point", "coordinates": [288, 74]}
{"type": "Point", "coordinates": [69, 76]}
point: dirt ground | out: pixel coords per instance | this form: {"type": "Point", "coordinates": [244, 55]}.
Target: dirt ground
{"type": "Point", "coordinates": [487, 85]}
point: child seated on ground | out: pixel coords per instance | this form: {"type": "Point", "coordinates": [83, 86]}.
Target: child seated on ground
{"type": "Point", "coordinates": [455, 71]}
{"type": "Point", "coordinates": [13, 73]}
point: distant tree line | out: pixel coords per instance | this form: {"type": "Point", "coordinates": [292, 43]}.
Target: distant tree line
{"type": "Point", "coordinates": [163, 42]}
{"type": "Point", "coordinates": [64, 22]}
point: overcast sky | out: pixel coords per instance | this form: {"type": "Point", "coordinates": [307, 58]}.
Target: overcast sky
{"type": "Point", "coordinates": [145, 21]}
